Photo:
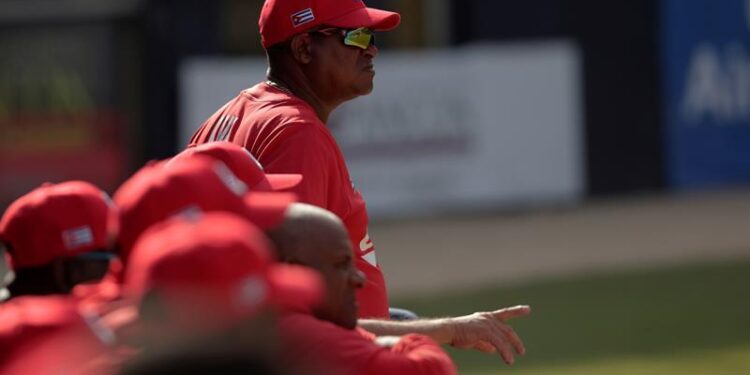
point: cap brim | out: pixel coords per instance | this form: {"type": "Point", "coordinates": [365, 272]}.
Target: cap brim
{"type": "Point", "coordinates": [295, 287]}
{"type": "Point", "coordinates": [266, 209]}
{"type": "Point", "coordinates": [375, 19]}
{"type": "Point", "coordinates": [283, 182]}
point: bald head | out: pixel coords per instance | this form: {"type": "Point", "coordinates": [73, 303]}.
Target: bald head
{"type": "Point", "coordinates": [316, 238]}
{"type": "Point", "coordinates": [305, 230]}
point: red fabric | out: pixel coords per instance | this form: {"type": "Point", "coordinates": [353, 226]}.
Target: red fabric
{"type": "Point", "coordinates": [285, 135]}
{"type": "Point", "coordinates": [45, 335]}
{"type": "Point", "coordinates": [336, 350]}
{"type": "Point", "coordinates": [281, 19]}
{"type": "Point", "coordinates": [243, 165]}
{"type": "Point", "coordinates": [186, 186]}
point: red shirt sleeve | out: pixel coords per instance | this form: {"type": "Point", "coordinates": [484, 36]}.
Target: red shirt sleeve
{"type": "Point", "coordinates": [341, 351]}
{"type": "Point", "coordinates": [301, 148]}
{"type": "Point", "coordinates": [414, 354]}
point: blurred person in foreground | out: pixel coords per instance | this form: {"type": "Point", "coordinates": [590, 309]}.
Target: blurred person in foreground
{"type": "Point", "coordinates": [58, 236]}
{"type": "Point", "coordinates": [317, 238]}
{"type": "Point", "coordinates": [209, 283]}
{"type": "Point", "coordinates": [186, 187]}
{"type": "Point", "coordinates": [205, 179]}
{"type": "Point", "coordinates": [243, 165]}
{"type": "Point", "coordinates": [320, 55]}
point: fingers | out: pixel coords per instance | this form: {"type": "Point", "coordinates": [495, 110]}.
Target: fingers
{"type": "Point", "coordinates": [511, 336]}
{"type": "Point", "coordinates": [484, 346]}
{"type": "Point", "coordinates": [511, 312]}
{"type": "Point", "coordinates": [487, 332]}
{"type": "Point", "coordinates": [503, 348]}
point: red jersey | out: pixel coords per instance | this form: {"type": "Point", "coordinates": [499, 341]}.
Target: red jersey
{"type": "Point", "coordinates": [336, 350]}
{"type": "Point", "coordinates": [284, 133]}
{"type": "Point", "coordinates": [47, 334]}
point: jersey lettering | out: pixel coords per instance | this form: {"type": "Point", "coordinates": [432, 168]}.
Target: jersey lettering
{"type": "Point", "coordinates": [368, 250]}
{"type": "Point", "coordinates": [366, 244]}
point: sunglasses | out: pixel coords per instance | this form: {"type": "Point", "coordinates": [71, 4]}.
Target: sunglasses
{"type": "Point", "coordinates": [361, 38]}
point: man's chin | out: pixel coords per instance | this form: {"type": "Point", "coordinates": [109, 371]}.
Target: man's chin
{"type": "Point", "coordinates": [365, 88]}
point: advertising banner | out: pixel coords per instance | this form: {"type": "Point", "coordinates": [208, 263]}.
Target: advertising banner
{"type": "Point", "coordinates": [462, 129]}
{"type": "Point", "coordinates": [706, 72]}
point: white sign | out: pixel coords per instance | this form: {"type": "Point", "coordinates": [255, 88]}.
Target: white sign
{"type": "Point", "coordinates": [466, 128]}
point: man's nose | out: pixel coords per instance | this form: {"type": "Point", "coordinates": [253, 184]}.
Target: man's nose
{"type": "Point", "coordinates": [371, 51]}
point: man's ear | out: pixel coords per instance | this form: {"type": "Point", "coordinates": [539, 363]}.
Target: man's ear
{"type": "Point", "coordinates": [301, 48]}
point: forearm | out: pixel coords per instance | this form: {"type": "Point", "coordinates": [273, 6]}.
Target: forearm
{"type": "Point", "coordinates": [439, 330]}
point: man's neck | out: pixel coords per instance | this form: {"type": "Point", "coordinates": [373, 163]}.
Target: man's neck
{"type": "Point", "coordinates": [302, 89]}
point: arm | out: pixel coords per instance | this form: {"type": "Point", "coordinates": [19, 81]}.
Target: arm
{"type": "Point", "coordinates": [336, 350]}
{"type": "Point", "coordinates": [484, 331]}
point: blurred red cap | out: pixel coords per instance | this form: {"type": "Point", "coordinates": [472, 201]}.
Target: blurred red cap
{"type": "Point", "coordinates": [58, 220]}
{"type": "Point", "coordinates": [187, 187]}
{"type": "Point", "coordinates": [282, 19]}
{"type": "Point", "coordinates": [244, 165]}
{"type": "Point", "coordinates": [220, 266]}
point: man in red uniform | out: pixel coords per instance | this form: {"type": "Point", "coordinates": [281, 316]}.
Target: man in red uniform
{"type": "Point", "coordinates": [315, 237]}
{"type": "Point", "coordinates": [328, 335]}
{"type": "Point", "coordinates": [320, 55]}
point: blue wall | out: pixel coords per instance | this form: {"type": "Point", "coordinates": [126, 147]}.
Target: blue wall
{"type": "Point", "coordinates": [706, 86]}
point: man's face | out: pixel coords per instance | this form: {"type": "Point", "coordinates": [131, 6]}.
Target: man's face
{"type": "Point", "coordinates": [335, 263]}
{"type": "Point", "coordinates": [343, 72]}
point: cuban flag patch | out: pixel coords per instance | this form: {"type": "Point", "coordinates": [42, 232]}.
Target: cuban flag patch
{"type": "Point", "coordinates": [78, 237]}
{"type": "Point", "coordinates": [302, 17]}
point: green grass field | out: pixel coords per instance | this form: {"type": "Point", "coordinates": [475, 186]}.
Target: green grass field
{"type": "Point", "coordinates": [681, 320]}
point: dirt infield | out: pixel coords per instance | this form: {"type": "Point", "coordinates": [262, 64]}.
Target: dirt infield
{"type": "Point", "coordinates": [430, 255]}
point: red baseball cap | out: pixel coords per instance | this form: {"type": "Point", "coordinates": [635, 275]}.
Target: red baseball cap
{"type": "Point", "coordinates": [282, 19]}
{"type": "Point", "coordinates": [215, 269]}
{"type": "Point", "coordinates": [244, 165]}
{"type": "Point", "coordinates": [187, 187]}
{"type": "Point", "coordinates": [58, 220]}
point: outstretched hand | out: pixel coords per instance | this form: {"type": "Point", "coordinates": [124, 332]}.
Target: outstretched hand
{"type": "Point", "coordinates": [488, 332]}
